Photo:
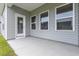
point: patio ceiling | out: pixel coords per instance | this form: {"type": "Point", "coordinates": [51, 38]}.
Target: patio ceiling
{"type": "Point", "coordinates": [27, 6]}
{"type": "Point", "coordinates": [1, 8]}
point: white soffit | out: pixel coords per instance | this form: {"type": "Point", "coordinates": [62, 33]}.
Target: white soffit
{"type": "Point", "coordinates": [29, 6]}
{"type": "Point", "coordinates": [1, 8]}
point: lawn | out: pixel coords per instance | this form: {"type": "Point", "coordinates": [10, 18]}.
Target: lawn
{"type": "Point", "coordinates": [5, 49]}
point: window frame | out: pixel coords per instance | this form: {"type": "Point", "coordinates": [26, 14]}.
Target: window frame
{"type": "Point", "coordinates": [32, 23]}
{"type": "Point", "coordinates": [40, 21]}
{"type": "Point", "coordinates": [73, 18]}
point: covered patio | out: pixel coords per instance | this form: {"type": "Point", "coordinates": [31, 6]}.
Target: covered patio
{"type": "Point", "coordinates": [38, 29]}
{"type": "Point", "coordinates": [31, 46]}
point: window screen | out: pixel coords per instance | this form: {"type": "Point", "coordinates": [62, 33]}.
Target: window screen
{"type": "Point", "coordinates": [33, 23]}
{"type": "Point", "coordinates": [44, 21]}
{"type": "Point", "coordinates": [65, 8]}
{"type": "Point", "coordinates": [64, 25]}
{"type": "Point", "coordinates": [64, 17]}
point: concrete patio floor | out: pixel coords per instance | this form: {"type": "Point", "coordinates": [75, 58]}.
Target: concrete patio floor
{"type": "Point", "coordinates": [31, 46]}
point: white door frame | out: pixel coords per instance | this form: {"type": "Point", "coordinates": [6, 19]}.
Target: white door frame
{"type": "Point", "coordinates": [16, 34]}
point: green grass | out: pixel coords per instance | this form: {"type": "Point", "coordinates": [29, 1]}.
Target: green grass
{"type": "Point", "coordinates": [5, 49]}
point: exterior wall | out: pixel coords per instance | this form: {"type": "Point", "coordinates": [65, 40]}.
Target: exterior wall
{"type": "Point", "coordinates": [10, 24]}
{"type": "Point", "coordinates": [11, 21]}
{"type": "Point", "coordinates": [63, 36]}
{"type": "Point", "coordinates": [78, 23]}
{"type": "Point", "coordinates": [4, 21]}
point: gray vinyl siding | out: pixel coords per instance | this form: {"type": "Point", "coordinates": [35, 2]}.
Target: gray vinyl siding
{"type": "Point", "coordinates": [51, 34]}
{"type": "Point", "coordinates": [10, 24]}
{"type": "Point", "coordinates": [78, 23]}
{"type": "Point", "coordinates": [11, 21]}
{"type": "Point", "coordinates": [4, 22]}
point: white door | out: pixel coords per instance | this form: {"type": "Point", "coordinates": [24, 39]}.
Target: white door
{"type": "Point", "coordinates": [19, 26]}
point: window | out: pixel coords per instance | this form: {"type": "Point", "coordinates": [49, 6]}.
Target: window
{"type": "Point", "coordinates": [20, 25]}
{"type": "Point", "coordinates": [64, 17]}
{"type": "Point", "coordinates": [44, 21]}
{"type": "Point", "coordinates": [33, 22]}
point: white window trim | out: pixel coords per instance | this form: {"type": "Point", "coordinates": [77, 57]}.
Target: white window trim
{"type": "Point", "coordinates": [33, 23]}
{"type": "Point", "coordinates": [73, 20]}
{"type": "Point", "coordinates": [40, 22]}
